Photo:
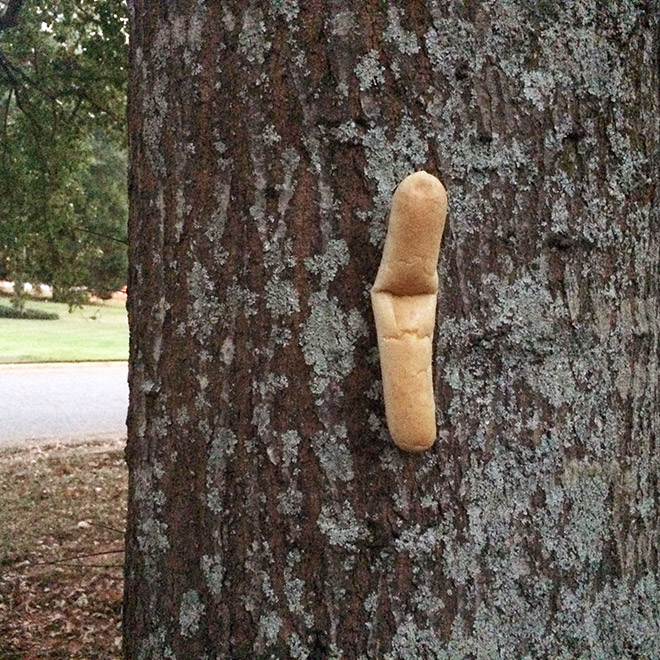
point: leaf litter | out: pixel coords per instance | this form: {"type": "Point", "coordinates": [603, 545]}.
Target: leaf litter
{"type": "Point", "coordinates": [62, 521]}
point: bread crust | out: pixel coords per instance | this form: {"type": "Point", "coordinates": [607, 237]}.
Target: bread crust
{"type": "Point", "coordinates": [404, 298]}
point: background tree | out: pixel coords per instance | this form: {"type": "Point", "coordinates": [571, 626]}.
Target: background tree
{"type": "Point", "coordinates": [62, 92]}
{"type": "Point", "coordinates": [104, 215]}
{"type": "Point", "coordinates": [270, 516]}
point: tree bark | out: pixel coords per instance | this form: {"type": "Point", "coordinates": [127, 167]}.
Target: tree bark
{"type": "Point", "coordinates": [270, 515]}
{"type": "Point", "coordinates": [10, 15]}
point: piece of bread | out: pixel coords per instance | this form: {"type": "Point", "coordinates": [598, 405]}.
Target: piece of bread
{"type": "Point", "coordinates": [404, 302]}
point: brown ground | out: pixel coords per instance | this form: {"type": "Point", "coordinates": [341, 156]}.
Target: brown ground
{"type": "Point", "coordinates": [62, 516]}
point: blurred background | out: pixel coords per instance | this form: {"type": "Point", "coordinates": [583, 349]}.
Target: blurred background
{"type": "Point", "coordinates": [63, 326]}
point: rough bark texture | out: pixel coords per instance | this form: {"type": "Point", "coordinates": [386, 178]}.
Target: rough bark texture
{"type": "Point", "coordinates": [270, 514]}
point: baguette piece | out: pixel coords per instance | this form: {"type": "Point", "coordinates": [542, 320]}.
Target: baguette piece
{"type": "Point", "coordinates": [403, 298]}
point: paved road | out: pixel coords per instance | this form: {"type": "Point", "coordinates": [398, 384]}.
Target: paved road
{"type": "Point", "coordinates": [62, 402]}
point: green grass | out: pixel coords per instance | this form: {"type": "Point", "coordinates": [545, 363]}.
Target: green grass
{"type": "Point", "coordinates": [96, 332]}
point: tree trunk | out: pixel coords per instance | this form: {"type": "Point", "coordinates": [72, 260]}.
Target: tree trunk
{"type": "Point", "coordinates": [270, 515]}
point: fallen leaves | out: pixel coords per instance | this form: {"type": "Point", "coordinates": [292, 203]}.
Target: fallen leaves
{"type": "Point", "coordinates": [61, 552]}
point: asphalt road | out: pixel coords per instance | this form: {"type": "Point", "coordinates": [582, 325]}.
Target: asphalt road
{"type": "Point", "coordinates": [62, 402]}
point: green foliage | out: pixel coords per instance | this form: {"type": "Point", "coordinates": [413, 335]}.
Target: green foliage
{"type": "Point", "coordinates": [32, 314]}
{"type": "Point", "coordinates": [62, 153]}
{"type": "Point", "coordinates": [104, 214]}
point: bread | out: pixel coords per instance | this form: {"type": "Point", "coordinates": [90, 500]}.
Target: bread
{"type": "Point", "coordinates": [404, 302]}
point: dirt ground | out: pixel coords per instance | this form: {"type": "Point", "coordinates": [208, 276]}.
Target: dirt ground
{"type": "Point", "coordinates": [62, 521]}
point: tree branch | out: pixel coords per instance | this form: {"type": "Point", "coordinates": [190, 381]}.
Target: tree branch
{"type": "Point", "coordinates": [100, 235]}
{"type": "Point", "coordinates": [11, 74]}
{"type": "Point", "coordinates": [17, 77]}
{"type": "Point", "coordinates": [10, 17]}
{"type": "Point", "coordinates": [5, 122]}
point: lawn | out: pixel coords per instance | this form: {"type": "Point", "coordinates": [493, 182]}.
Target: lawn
{"type": "Point", "coordinates": [95, 332]}
{"type": "Point", "coordinates": [62, 519]}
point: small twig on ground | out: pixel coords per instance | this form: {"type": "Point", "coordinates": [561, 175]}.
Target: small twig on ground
{"type": "Point", "coordinates": [62, 562]}
{"type": "Point", "coordinates": [108, 527]}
